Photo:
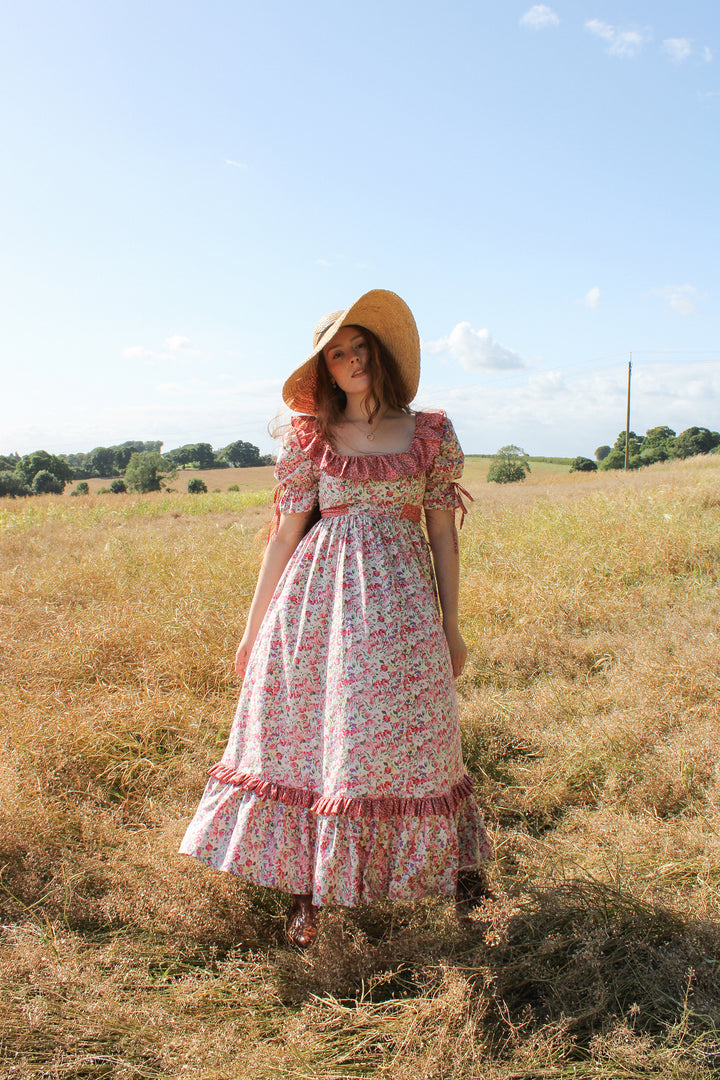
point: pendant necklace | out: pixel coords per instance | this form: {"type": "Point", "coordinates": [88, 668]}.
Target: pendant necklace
{"type": "Point", "coordinates": [371, 434]}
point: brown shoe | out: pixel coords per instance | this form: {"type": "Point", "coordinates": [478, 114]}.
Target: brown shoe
{"type": "Point", "coordinates": [301, 927]}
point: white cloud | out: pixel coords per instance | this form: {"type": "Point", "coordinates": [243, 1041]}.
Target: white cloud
{"type": "Point", "coordinates": [592, 297]}
{"type": "Point", "coordinates": [680, 298]}
{"type": "Point", "coordinates": [236, 164]}
{"type": "Point", "coordinates": [546, 414]}
{"type": "Point", "coordinates": [547, 384]}
{"type": "Point", "coordinates": [677, 49]}
{"type": "Point", "coordinates": [177, 341]}
{"type": "Point", "coordinates": [539, 16]}
{"type": "Point", "coordinates": [138, 352]}
{"type": "Point", "coordinates": [190, 386]}
{"type": "Point", "coordinates": [600, 29]}
{"type": "Point", "coordinates": [708, 55]}
{"type": "Point", "coordinates": [625, 43]}
{"type": "Point", "coordinates": [475, 350]}
{"type": "Point", "coordinates": [177, 344]}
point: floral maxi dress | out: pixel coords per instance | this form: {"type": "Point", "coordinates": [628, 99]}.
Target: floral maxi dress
{"type": "Point", "coordinates": [343, 774]}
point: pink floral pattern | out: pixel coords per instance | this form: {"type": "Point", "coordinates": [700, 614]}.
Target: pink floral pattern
{"type": "Point", "coordinates": [343, 774]}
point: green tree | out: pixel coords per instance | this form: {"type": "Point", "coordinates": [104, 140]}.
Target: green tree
{"type": "Point", "coordinates": [117, 486]}
{"type": "Point", "coordinates": [602, 452]}
{"type": "Point", "coordinates": [145, 472]}
{"type": "Point", "coordinates": [101, 461]}
{"type": "Point", "coordinates": [12, 485]}
{"type": "Point", "coordinates": [696, 440]}
{"type": "Point", "coordinates": [46, 483]}
{"type": "Point", "coordinates": [192, 456]}
{"type": "Point", "coordinates": [583, 464]}
{"type": "Point", "coordinates": [240, 454]}
{"type": "Point", "coordinates": [616, 458]}
{"type": "Point", "coordinates": [658, 445]}
{"type": "Point", "coordinates": [196, 486]}
{"type": "Point", "coordinates": [510, 464]}
{"type": "Point", "coordinates": [40, 461]}
{"type": "Point", "coordinates": [125, 451]}
{"type": "Point", "coordinates": [81, 488]}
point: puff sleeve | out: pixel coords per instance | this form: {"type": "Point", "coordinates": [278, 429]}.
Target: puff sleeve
{"type": "Point", "coordinates": [442, 492]}
{"type": "Point", "coordinates": [297, 477]}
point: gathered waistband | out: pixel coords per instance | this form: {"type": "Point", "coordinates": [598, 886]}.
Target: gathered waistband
{"type": "Point", "coordinates": [408, 511]}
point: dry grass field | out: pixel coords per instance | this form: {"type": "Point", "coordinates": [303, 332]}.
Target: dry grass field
{"type": "Point", "coordinates": [591, 720]}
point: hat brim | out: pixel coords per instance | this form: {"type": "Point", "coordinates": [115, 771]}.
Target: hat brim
{"type": "Point", "coordinates": [389, 318]}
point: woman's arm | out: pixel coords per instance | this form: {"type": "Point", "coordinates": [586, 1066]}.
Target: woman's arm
{"type": "Point", "coordinates": [443, 538]}
{"type": "Point", "coordinates": [282, 544]}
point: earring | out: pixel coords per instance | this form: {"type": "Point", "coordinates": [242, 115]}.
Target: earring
{"type": "Point", "coordinates": [333, 384]}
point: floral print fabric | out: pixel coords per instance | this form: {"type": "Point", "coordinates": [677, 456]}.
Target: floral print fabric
{"type": "Point", "coordinates": [343, 775]}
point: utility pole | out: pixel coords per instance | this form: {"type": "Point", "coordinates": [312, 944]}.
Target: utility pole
{"type": "Point", "coordinates": [627, 416]}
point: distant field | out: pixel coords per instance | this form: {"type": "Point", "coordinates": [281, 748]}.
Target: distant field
{"type": "Point", "coordinates": [590, 716]}
{"type": "Point", "coordinates": [261, 479]}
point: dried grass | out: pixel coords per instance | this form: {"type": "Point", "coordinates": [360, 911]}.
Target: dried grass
{"type": "Point", "coordinates": [590, 719]}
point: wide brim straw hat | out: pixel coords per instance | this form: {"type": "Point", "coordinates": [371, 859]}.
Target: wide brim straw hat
{"type": "Point", "coordinates": [390, 320]}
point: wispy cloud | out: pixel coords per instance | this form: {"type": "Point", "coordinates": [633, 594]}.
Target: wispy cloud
{"type": "Point", "coordinates": [178, 342]}
{"type": "Point", "coordinates": [175, 344]}
{"type": "Point", "coordinates": [677, 49]}
{"type": "Point", "coordinates": [138, 352]}
{"type": "Point", "coordinates": [600, 29]}
{"type": "Point", "coordinates": [708, 55]}
{"type": "Point", "coordinates": [236, 164]}
{"type": "Point", "coordinates": [539, 16]}
{"type": "Point", "coordinates": [548, 384]}
{"type": "Point", "coordinates": [547, 413]}
{"type": "Point", "coordinates": [680, 298]}
{"type": "Point", "coordinates": [475, 350]}
{"type": "Point", "coordinates": [624, 43]}
{"type": "Point", "coordinates": [190, 386]}
{"type": "Point", "coordinates": [592, 297]}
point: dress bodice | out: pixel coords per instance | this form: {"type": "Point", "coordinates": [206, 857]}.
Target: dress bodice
{"type": "Point", "coordinates": [310, 472]}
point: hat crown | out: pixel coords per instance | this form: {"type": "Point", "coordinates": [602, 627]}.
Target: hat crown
{"type": "Point", "coordinates": [324, 324]}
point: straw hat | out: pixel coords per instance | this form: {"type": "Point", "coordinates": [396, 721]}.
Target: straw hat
{"type": "Point", "coordinates": [390, 320]}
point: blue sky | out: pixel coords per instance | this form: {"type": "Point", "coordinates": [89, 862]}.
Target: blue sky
{"type": "Point", "coordinates": [187, 187]}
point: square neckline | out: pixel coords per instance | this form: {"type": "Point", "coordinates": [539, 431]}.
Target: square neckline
{"type": "Point", "coordinates": [376, 454]}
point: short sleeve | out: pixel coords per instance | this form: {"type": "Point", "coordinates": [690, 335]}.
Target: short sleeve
{"type": "Point", "coordinates": [297, 478]}
{"type": "Point", "coordinates": [441, 491]}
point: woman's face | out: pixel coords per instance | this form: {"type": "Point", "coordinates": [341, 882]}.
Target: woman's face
{"type": "Point", "coordinates": [347, 358]}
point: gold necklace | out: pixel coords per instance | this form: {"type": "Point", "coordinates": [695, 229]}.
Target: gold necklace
{"type": "Point", "coordinates": [371, 434]}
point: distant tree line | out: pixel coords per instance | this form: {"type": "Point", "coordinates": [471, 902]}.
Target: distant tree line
{"type": "Point", "coordinates": [657, 444]}
{"type": "Point", "coordinates": [512, 463]}
{"type": "Point", "coordinates": [136, 466]}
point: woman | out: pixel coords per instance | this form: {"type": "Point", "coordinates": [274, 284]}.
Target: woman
{"type": "Point", "coordinates": [342, 781]}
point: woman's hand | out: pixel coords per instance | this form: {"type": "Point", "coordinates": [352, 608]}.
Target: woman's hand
{"type": "Point", "coordinates": [243, 652]}
{"type": "Point", "coordinates": [458, 649]}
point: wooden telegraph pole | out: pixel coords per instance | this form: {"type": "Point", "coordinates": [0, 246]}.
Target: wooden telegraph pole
{"type": "Point", "coordinates": [627, 416]}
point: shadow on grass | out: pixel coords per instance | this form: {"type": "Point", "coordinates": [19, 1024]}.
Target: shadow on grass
{"type": "Point", "coordinates": [582, 955]}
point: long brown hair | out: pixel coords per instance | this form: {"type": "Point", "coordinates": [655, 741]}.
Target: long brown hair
{"type": "Point", "coordinates": [386, 388]}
